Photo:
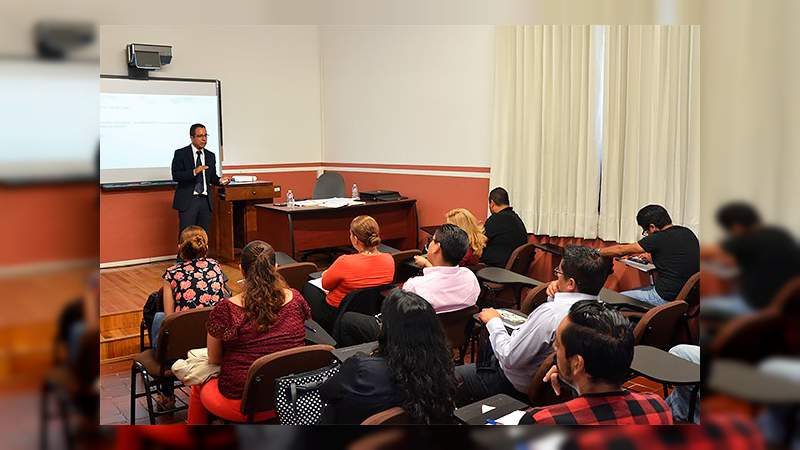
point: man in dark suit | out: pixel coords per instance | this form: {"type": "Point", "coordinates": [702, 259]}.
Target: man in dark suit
{"type": "Point", "coordinates": [195, 170]}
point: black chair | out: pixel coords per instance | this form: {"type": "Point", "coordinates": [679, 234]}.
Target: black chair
{"type": "Point", "coordinates": [365, 301]}
{"type": "Point", "coordinates": [328, 185]}
{"type": "Point", "coordinates": [180, 332]}
{"type": "Point", "coordinates": [508, 296]}
{"type": "Point", "coordinates": [71, 387]}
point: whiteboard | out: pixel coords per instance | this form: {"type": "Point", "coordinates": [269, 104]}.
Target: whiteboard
{"type": "Point", "coordinates": [143, 122]}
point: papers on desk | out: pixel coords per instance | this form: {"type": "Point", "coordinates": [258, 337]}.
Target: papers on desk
{"type": "Point", "coordinates": [486, 408]}
{"type": "Point", "coordinates": [511, 419]}
{"type": "Point", "coordinates": [318, 283]}
{"type": "Point", "coordinates": [335, 202]}
{"type": "Point", "coordinates": [644, 267]}
{"type": "Point", "coordinates": [511, 319]}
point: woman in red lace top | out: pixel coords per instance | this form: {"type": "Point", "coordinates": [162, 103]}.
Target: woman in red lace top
{"type": "Point", "coordinates": [265, 318]}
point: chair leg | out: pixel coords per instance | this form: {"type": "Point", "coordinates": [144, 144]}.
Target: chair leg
{"type": "Point", "coordinates": [63, 413]}
{"type": "Point", "coordinates": [44, 417]}
{"type": "Point", "coordinates": [133, 394]}
{"type": "Point", "coordinates": [149, 397]}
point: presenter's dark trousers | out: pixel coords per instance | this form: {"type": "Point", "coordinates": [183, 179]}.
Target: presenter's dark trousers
{"type": "Point", "coordinates": [198, 213]}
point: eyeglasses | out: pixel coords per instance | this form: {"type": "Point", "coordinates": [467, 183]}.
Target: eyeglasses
{"type": "Point", "coordinates": [200, 136]}
{"type": "Point", "coordinates": [558, 272]}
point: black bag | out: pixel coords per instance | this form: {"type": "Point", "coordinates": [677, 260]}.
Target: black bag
{"type": "Point", "coordinates": [297, 399]}
{"type": "Point", "coordinates": [154, 304]}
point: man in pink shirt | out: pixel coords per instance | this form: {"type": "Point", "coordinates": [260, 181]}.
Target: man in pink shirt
{"type": "Point", "coordinates": [445, 285]}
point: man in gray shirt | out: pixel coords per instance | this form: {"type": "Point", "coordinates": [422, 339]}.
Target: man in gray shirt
{"type": "Point", "coordinates": [517, 356]}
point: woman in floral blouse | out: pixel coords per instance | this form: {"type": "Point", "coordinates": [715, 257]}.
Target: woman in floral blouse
{"type": "Point", "coordinates": [196, 282]}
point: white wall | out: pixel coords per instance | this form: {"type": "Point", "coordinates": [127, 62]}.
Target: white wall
{"type": "Point", "coordinates": [270, 82]}
{"type": "Point", "coordinates": [407, 94]}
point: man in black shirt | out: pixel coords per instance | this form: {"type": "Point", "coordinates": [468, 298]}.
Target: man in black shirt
{"type": "Point", "coordinates": [767, 257]}
{"type": "Point", "coordinates": [504, 230]}
{"type": "Point", "coordinates": [675, 251]}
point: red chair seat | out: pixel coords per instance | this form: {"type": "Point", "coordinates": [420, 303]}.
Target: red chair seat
{"type": "Point", "coordinates": [226, 408]}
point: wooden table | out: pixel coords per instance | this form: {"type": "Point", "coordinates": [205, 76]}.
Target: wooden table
{"type": "Point", "coordinates": [233, 214]}
{"type": "Point", "coordinates": [298, 229]}
{"type": "Point", "coordinates": [503, 404]}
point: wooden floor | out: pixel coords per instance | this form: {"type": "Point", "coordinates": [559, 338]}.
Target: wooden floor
{"type": "Point", "coordinates": [125, 289]}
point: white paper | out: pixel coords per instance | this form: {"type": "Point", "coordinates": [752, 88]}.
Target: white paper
{"type": "Point", "coordinates": [318, 283]}
{"type": "Point", "coordinates": [511, 419]}
{"type": "Point", "coordinates": [335, 202]}
{"type": "Point", "coordinates": [486, 408]}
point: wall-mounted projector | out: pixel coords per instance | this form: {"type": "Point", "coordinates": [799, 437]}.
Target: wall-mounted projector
{"type": "Point", "coordinates": [149, 57]}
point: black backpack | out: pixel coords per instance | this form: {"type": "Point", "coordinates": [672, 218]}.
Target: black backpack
{"type": "Point", "coordinates": [154, 304]}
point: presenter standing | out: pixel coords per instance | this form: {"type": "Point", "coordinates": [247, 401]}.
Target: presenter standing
{"type": "Point", "coordinates": [195, 170]}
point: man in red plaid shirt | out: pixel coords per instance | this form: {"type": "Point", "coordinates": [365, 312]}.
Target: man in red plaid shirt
{"type": "Point", "coordinates": [594, 350]}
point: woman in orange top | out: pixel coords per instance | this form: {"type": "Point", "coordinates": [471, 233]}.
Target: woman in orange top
{"type": "Point", "coordinates": [367, 268]}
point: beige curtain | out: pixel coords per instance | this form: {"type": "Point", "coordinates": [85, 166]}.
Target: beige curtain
{"type": "Point", "coordinates": [593, 122]}
{"type": "Point", "coordinates": [650, 152]}
{"type": "Point", "coordinates": [546, 139]}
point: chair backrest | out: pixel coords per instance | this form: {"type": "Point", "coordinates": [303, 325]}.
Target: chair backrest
{"type": "Point", "coordinates": [296, 274]}
{"type": "Point", "coordinates": [329, 184]}
{"type": "Point", "coordinates": [403, 272]}
{"type": "Point", "coordinates": [259, 389]}
{"type": "Point", "coordinates": [533, 298]}
{"type": "Point", "coordinates": [690, 292]}
{"type": "Point", "coordinates": [787, 300]}
{"type": "Point", "coordinates": [749, 338]}
{"type": "Point", "coordinates": [391, 416]}
{"type": "Point", "coordinates": [365, 301]}
{"type": "Point", "coordinates": [181, 332]}
{"type": "Point", "coordinates": [541, 393]}
{"type": "Point", "coordinates": [520, 259]}
{"type": "Point", "coordinates": [658, 326]}
{"type": "Point", "coordinates": [455, 325]}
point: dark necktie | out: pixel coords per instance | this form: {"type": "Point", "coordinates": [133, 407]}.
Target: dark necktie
{"type": "Point", "coordinates": [198, 181]}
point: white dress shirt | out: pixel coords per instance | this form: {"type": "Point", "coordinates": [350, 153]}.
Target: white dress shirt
{"type": "Point", "coordinates": [521, 353]}
{"type": "Point", "coordinates": [202, 163]}
{"type": "Point", "coordinates": [445, 288]}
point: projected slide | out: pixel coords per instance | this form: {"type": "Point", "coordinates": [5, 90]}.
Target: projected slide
{"type": "Point", "coordinates": [143, 122]}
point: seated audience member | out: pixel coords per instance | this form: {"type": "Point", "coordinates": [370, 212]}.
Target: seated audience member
{"type": "Point", "coordinates": [678, 400]}
{"type": "Point", "coordinates": [516, 357]}
{"type": "Point", "coordinates": [367, 268]}
{"type": "Point", "coordinates": [265, 318]}
{"type": "Point", "coordinates": [674, 249]}
{"type": "Point", "coordinates": [194, 283]}
{"type": "Point", "coordinates": [411, 368]}
{"type": "Point", "coordinates": [767, 258]}
{"type": "Point", "coordinates": [504, 230]}
{"type": "Point", "coordinates": [464, 219]}
{"type": "Point", "coordinates": [446, 286]}
{"type": "Point", "coordinates": [594, 350]}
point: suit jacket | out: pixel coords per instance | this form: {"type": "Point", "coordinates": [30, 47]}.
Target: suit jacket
{"type": "Point", "coordinates": [183, 163]}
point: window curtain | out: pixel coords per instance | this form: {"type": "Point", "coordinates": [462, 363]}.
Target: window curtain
{"type": "Point", "coordinates": [650, 152]}
{"type": "Point", "coordinates": [593, 122]}
{"type": "Point", "coordinates": [546, 137]}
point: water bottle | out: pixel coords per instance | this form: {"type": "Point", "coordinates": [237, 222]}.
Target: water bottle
{"type": "Point", "coordinates": [290, 199]}
{"type": "Point", "coordinates": [355, 192]}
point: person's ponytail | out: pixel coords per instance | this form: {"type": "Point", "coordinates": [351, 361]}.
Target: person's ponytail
{"type": "Point", "coordinates": [263, 285]}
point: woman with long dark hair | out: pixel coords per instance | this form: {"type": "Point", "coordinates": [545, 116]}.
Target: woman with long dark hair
{"type": "Point", "coordinates": [265, 318]}
{"type": "Point", "coordinates": [412, 368]}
